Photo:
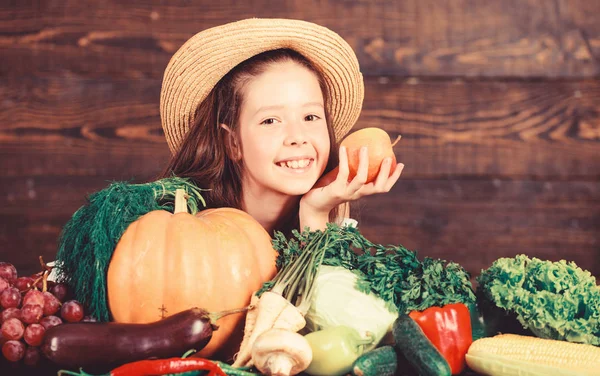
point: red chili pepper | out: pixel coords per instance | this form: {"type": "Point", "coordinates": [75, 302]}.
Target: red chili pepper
{"type": "Point", "coordinates": [169, 365]}
{"type": "Point", "coordinates": [449, 329]}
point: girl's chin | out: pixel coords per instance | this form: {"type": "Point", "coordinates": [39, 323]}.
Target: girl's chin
{"type": "Point", "coordinates": [295, 191]}
{"type": "Point", "coordinates": [292, 188]}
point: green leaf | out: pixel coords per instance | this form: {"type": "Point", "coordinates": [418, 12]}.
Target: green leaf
{"type": "Point", "coordinates": [555, 300]}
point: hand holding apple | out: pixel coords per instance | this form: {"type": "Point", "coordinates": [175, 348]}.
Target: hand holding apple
{"type": "Point", "coordinates": [379, 146]}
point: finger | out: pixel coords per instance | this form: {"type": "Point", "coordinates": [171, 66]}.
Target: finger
{"type": "Point", "coordinates": [343, 166]}
{"type": "Point", "coordinates": [363, 169]}
{"type": "Point", "coordinates": [384, 174]}
{"type": "Point", "coordinates": [394, 178]}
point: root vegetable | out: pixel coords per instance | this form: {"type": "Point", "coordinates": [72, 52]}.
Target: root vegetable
{"type": "Point", "coordinates": [284, 301]}
{"type": "Point", "coordinates": [250, 323]}
{"type": "Point", "coordinates": [272, 311]}
{"type": "Point", "coordinates": [280, 352]}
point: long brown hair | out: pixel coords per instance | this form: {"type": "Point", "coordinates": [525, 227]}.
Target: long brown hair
{"type": "Point", "coordinates": [207, 154]}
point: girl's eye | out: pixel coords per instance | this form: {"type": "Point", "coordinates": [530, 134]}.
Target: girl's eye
{"type": "Point", "coordinates": [268, 121]}
{"type": "Point", "coordinates": [311, 118]}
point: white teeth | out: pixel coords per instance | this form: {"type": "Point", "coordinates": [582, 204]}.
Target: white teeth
{"type": "Point", "coordinates": [295, 164]}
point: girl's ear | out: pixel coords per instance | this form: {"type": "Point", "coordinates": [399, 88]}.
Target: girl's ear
{"type": "Point", "coordinates": [233, 147]}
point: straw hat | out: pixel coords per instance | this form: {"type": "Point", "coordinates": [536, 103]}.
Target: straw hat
{"type": "Point", "coordinates": [206, 57]}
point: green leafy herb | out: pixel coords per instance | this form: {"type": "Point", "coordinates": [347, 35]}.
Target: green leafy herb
{"type": "Point", "coordinates": [392, 272]}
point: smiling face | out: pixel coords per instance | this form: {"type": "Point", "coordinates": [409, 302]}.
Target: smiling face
{"type": "Point", "coordinates": [283, 132]}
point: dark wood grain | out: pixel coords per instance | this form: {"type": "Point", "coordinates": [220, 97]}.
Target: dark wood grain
{"type": "Point", "coordinates": [472, 222]}
{"type": "Point", "coordinates": [111, 127]}
{"type": "Point", "coordinates": [80, 127]}
{"type": "Point", "coordinates": [33, 212]}
{"type": "Point", "coordinates": [511, 38]}
{"type": "Point", "coordinates": [532, 129]}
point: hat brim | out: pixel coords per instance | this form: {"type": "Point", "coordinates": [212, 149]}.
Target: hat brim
{"type": "Point", "coordinates": [205, 58]}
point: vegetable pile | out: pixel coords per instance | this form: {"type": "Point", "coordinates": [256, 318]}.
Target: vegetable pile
{"type": "Point", "coordinates": [348, 292]}
{"type": "Point", "coordinates": [323, 302]}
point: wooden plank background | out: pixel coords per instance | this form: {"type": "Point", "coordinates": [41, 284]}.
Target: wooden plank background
{"type": "Point", "coordinates": [498, 103]}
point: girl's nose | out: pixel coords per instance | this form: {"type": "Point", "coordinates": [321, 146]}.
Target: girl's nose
{"type": "Point", "coordinates": [296, 134]}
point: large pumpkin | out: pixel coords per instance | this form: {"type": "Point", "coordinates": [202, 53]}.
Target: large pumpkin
{"type": "Point", "coordinates": [166, 263]}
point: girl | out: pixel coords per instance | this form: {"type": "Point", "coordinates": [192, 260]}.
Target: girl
{"type": "Point", "coordinates": [254, 110]}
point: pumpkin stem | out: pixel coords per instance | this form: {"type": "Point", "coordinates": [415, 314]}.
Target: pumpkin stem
{"type": "Point", "coordinates": [397, 139]}
{"type": "Point", "coordinates": [180, 201]}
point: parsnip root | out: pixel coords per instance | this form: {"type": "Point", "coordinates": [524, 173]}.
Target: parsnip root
{"type": "Point", "coordinates": [272, 311]}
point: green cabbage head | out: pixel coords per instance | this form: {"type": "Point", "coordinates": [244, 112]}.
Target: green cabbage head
{"type": "Point", "coordinates": [337, 301]}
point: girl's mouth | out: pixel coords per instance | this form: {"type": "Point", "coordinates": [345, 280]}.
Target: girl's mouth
{"type": "Point", "coordinates": [299, 165]}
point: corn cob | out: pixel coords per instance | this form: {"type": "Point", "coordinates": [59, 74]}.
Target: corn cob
{"type": "Point", "coordinates": [511, 354]}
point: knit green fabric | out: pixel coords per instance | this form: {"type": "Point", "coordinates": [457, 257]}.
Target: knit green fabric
{"type": "Point", "coordinates": [88, 240]}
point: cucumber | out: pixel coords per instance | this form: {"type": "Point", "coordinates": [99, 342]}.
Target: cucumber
{"type": "Point", "coordinates": [381, 361]}
{"type": "Point", "coordinates": [418, 350]}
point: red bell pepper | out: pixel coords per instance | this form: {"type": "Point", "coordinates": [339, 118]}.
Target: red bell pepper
{"type": "Point", "coordinates": [449, 329]}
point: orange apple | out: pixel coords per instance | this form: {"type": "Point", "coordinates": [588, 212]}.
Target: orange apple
{"type": "Point", "coordinates": [379, 147]}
